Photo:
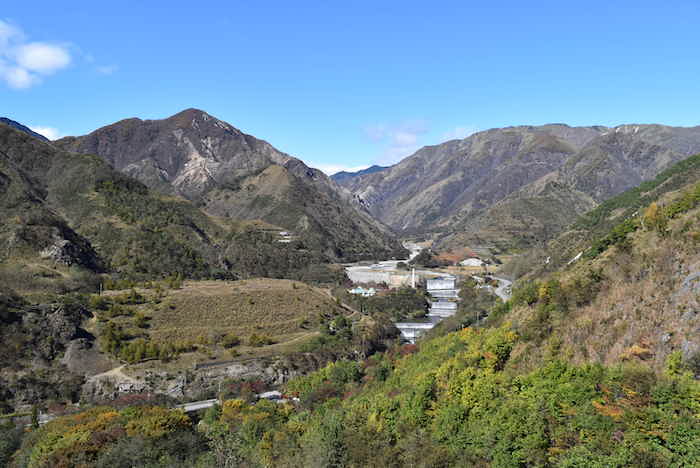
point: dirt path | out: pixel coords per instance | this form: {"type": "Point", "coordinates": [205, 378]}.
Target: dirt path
{"type": "Point", "coordinates": [345, 306]}
{"type": "Point", "coordinates": [116, 373]}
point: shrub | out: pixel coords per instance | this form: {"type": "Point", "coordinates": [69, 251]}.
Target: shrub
{"type": "Point", "coordinates": [230, 340]}
{"type": "Point", "coordinates": [140, 320]}
{"type": "Point", "coordinates": [98, 302]}
{"type": "Point", "coordinates": [259, 340]}
{"type": "Point", "coordinates": [526, 293]}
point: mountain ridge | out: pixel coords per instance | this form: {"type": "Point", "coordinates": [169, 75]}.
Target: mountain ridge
{"type": "Point", "coordinates": [228, 173]}
{"type": "Point", "coordinates": [342, 175]}
{"type": "Point", "coordinates": [449, 191]}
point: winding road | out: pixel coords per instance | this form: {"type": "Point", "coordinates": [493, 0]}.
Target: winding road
{"type": "Point", "coordinates": [504, 289]}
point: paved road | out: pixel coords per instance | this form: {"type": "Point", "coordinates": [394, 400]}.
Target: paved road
{"type": "Point", "coordinates": [198, 405]}
{"type": "Point", "coordinates": [504, 289]}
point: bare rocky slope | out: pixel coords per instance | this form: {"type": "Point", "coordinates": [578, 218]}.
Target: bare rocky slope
{"type": "Point", "coordinates": [517, 186]}
{"type": "Point", "coordinates": [231, 174]}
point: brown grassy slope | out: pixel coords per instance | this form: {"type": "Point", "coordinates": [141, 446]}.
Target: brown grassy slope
{"type": "Point", "coordinates": [645, 305]}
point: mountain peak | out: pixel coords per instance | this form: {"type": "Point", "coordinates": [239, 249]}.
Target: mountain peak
{"type": "Point", "coordinates": [190, 113]}
{"type": "Point", "coordinates": [198, 119]}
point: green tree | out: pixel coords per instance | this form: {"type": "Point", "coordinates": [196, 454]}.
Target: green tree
{"type": "Point", "coordinates": [35, 416]}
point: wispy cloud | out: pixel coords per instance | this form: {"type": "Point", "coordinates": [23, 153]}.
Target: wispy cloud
{"type": "Point", "coordinates": [23, 64]}
{"type": "Point", "coordinates": [107, 69]}
{"type": "Point", "coordinates": [49, 132]}
{"type": "Point", "coordinates": [330, 169]}
{"type": "Point", "coordinates": [459, 132]}
{"type": "Point", "coordinates": [398, 140]}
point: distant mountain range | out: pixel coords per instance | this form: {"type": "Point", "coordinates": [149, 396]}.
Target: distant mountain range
{"type": "Point", "coordinates": [344, 175]}
{"type": "Point", "coordinates": [230, 174]}
{"type": "Point", "coordinates": [501, 189]}
{"type": "Point", "coordinates": [517, 186]}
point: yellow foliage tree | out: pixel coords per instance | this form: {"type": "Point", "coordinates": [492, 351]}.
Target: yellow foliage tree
{"type": "Point", "coordinates": [655, 218]}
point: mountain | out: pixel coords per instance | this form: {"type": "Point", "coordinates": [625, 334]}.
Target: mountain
{"type": "Point", "coordinates": [230, 174]}
{"type": "Point", "coordinates": [344, 176]}
{"type": "Point", "coordinates": [517, 186]}
{"type": "Point", "coordinates": [22, 128]}
{"type": "Point", "coordinates": [71, 216]}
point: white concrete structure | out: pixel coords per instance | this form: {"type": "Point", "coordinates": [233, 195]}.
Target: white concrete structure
{"type": "Point", "coordinates": [472, 262]}
{"type": "Point", "coordinates": [198, 405]}
{"type": "Point", "coordinates": [442, 309]}
{"type": "Point", "coordinates": [367, 275]}
{"type": "Point", "coordinates": [443, 283]}
{"type": "Point", "coordinates": [273, 395]}
{"type": "Point", "coordinates": [411, 331]}
{"type": "Point", "coordinates": [444, 294]}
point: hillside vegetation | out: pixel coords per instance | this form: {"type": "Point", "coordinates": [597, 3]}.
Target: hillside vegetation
{"type": "Point", "coordinates": [453, 402]}
{"type": "Point", "coordinates": [593, 362]}
{"type": "Point", "coordinates": [212, 319]}
{"type": "Point", "coordinates": [631, 296]}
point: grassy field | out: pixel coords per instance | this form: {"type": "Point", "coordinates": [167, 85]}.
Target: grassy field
{"type": "Point", "coordinates": [204, 312]}
{"type": "Point", "coordinates": [276, 308]}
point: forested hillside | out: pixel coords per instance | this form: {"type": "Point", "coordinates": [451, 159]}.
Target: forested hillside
{"type": "Point", "coordinates": [456, 401]}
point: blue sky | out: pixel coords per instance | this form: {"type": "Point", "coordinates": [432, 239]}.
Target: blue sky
{"type": "Point", "coordinates": [348, 84]}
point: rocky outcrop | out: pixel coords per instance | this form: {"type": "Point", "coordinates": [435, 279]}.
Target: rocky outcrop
{"type": "Point", "coordinates": [203, 381]}
{"type": "Point", "coordinates": [52, 326]}
{"type": "Point", "coordinates": [33, 338]}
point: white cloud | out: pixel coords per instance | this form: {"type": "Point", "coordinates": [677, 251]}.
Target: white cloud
{"type": "Point", "coordinates": [398, 140]}
{"type": "Point", "coordinates": [49, 132]}
{"type": "Point", "coordinates": [394, 154]}
{"type": "Point", "coordinates": [107, 69]}
{"type": "Point", "coordinates": [41, 57]}
{"type": "Point", "coordinates": [8, 33]}
{"type": "Point", "coordinates": [459, 133]}
{"type": "Point", "coordinates": [23, 63]}
{"type": "Point", "coordinates": [17, 77]}
{"type": "Point", "coordinates": [330, 168]}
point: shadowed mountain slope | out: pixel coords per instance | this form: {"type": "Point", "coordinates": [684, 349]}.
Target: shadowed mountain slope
{"type": "Point", "coordinates": [22, 128]}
